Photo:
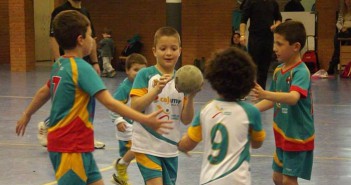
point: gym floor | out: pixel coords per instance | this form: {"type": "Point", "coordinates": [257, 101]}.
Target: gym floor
{"type": "Point", "coordinates": [24, 162]}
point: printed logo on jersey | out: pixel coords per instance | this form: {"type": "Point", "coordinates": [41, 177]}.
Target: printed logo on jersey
{"type": "Point", "coordinates": [221, 111]}
{"type": "Point", "coordinates": [164, 112]}
{"type": "Point", "coordinates": [55, 82]}
{"type": "Point", "coordinates": [288, 80]}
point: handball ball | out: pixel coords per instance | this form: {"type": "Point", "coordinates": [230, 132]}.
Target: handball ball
{"type": "Point", "coordinates": [188, 79]}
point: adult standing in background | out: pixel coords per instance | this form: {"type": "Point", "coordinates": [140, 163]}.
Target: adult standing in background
{"type": "Point", "coordinates": [57, 52]}
{"type": "Point", "coordinates": [264, 17]}
{"type": "Point", "coordinates": [294, 6]}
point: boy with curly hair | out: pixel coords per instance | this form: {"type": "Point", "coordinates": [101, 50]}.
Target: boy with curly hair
{"type": "Point", "coordinates": [227, 125]}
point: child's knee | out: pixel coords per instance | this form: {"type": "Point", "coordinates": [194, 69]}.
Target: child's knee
{"type": "Point", "coordinates": [277, 178]}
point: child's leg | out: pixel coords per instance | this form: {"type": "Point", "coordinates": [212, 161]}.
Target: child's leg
{"type": "Point", "coordinates": [75, 168]}
{"type": "Point", "coordinates": [129, 156]}
{"type": "Point", "coordinates": [157, 170]}
{"type": "Point", "coordinates": [289, 180]}
{"type": "Point", "coordinates": [277, 178]}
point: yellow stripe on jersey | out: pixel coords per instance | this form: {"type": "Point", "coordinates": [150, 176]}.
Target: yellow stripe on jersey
{"type": "Point", "coordinates": [294, 140]}
{"type": "Point", "coordinates": [276, 160]}
{"type": "Point", "coordinates": [74, 162]}
{"type": "Point", "coordinates": [195, 133]}
{"type": "Point", "coordinates": [81, 100]}
{"type": "Point", "coordinates": [258, 135]}
{"type": "Point", "coordinates": [138, 92]}
{"type": "Point", "coordinates": [143, 160]}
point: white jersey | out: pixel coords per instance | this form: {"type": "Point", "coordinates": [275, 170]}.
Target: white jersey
{"type": "Point", "coordinates": [224, 128]}
{"type": "Point", "coordinates": [146, 140]}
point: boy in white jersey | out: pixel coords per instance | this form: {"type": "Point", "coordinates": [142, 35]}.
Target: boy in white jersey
{"type": "Point", "coordinates": [124, 126]}
{"type": "Point", "coordinates": [227, 125]}
{"type": "Point", "coordinates": [154, 89]}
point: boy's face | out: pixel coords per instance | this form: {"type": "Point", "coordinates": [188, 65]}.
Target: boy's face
{"type": "Point", "coordinates": [236, 38]}
{"type": "Point", "coordinates": [167, 51]}
{"type": "Point", "coordinates": [283, 49]}
{"type": "Point", "coordinates": [132, 72]}
{"type": "Point", "coordinates": [87, 42]}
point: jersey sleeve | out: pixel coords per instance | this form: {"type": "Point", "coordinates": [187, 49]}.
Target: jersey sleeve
{"type": "Point", "coordinates": [195, 130]}
{"type": "Point", "coordinates": [140, 85]}
{"type": "Point", "coordinates": [121, 94]}
{"type": "Point", "coordinates": [88, 79]}
{"type": "Point", "coordinates": [300, 82]}
{"type": "Point", "coordinates": [256, 131]}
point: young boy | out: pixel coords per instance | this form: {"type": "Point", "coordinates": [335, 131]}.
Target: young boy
{"type": "Point", "coordinates": [227, 125]}
{"type": "Point", "coordinates": [107, 49]}
{"type": "Point", "coordinates": [72, 87]}
{"type": "Point", "coordinates": [154, 89]}
{"type": "Point", "coordinates": [134, 63]}
{"type": "Point", "coordinates": [290, 95]}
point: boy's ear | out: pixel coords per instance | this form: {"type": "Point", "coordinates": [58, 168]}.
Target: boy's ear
{"type": "Point", "coordinates": [80, 40]}
{"type": "Point", "coordinates": [154, 51]}
{"type": "Point", "coordinates": [297, 46]}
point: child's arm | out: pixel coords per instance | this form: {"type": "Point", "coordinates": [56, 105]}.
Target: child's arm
{"type": "Point", "coordinates": [39, 99]}
{"type": "Point", "coordinates": [257, 138]}
{"type": "Point", "coordinates": [290, 98]}
{"type": "Point", "coordinates": [139, 103]}
{"type": "Point", "coordinates": [105, 98]}
{"type": "Point", "coordinates": [118, 121]}
{"type": "Point", "coordinates": [188, 109]}
{"type": "Point", "coordinates": [264, 105]}
{"type": "Point", "coordinates": [186, 144]}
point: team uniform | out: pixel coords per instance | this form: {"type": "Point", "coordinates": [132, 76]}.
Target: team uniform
{"type": "Point", "coordinates": [70, 130]}
{"type": "Point", "coordinates": [226, 129]}
{"type": "Point", "coordinates": [156, 154]}
{"type": "Point", "coordinates": [293, 124]}
{"type": "Point", "coordinates": [122, 94]}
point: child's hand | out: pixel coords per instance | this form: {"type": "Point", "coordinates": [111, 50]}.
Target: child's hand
{"type": "Point", "coordinates": [121, 126]}
{"type": "Point", "coordinates": [22, 124]}
{"type": "Point", "coordinates": [180, 147]}
{"type": "Point", "coordinates": [162, 82]}
{"type": "Point", "coordinates": [193, 94]}
{"type": "Point", "coordinates": [160, 126]}
{"type": "Point", "coordinates": [257, 92]}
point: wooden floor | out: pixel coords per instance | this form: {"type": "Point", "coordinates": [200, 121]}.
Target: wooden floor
{"type": "Point", "coordinates": [23, 161]}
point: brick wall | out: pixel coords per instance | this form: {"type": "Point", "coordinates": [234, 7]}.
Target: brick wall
{"type": "Point", "coordinates": [127, 18]}
{"type": "Point", "coordinates": [4, 33]}
{"type": "Point", "coordinates": [205, 23]}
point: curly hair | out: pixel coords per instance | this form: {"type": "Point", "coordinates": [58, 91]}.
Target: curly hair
{"type": "Point", "coordinates": [232, 73]}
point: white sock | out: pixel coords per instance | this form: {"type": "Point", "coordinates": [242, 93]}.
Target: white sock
{"type": "Point", "coordinates": [121, 161]}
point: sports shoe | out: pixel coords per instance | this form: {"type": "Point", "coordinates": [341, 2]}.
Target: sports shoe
{"type": "Point", "coordinates": [122, 176]}
{"type": "Point", "coordinates": [42, 133]}
{"type": "Point", "coordinates": [99, 144]}
{"type": "Point", "coordinates": [112, 74]}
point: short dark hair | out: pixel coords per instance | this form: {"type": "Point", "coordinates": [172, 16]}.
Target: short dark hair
{"type": "Point", "coordinates": [292, 31]}
{"type": "Point", "coordinates": [68, 25]}
{"type": "Point", "coordinates": [166, 31]}
{"type": "Point", "coordinates": [107, 31]}
{"type": "Point", "coordinates": [231, 72]}
{"type": "Point", "coordinates": [135, 58]}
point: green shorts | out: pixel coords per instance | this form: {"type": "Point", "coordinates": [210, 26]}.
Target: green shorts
{"type": "Point", "coordinates": [124, 146]}
{"type": "Point", "coordinates": [153, 167]}
{"type": "Point", "coordinates": [75, 168]}
{"type": "Point", "coordinates": [295, 164]}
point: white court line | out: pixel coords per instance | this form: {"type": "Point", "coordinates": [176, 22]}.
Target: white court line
{"type": "Point", "coordinates": [18, 97]}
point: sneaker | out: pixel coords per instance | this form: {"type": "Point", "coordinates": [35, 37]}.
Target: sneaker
{"type": "Point", "coordinates": [42, 134]}
{"type": "Point", "coordinates": [99, 144]}
{"type": "Point", "coordinates": [112, 74]}
{"type": "Point", "coordinates": [117, 180]}
{"type": "Point", "coordinates": [122, 175]}
{"type": "Point", "coordinates": [103, 74]}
